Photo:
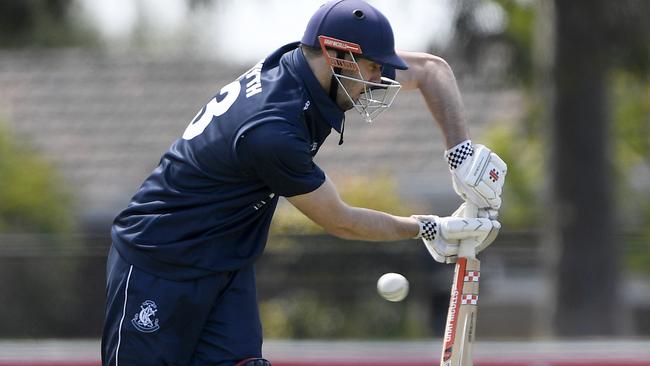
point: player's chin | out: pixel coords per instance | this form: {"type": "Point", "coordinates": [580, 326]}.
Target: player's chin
{"type": "Point", "coordinates": [346, 105]}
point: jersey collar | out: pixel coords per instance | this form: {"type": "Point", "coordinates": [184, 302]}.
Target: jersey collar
{"type": "Point", "coordinates": [327, 108]}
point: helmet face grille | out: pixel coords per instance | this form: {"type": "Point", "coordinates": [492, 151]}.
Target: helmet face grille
{"type": "Point", "coordinates": [376, 97]}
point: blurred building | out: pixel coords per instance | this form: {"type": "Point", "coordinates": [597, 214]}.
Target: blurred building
{"type": "Point", "coordinates": [105, 120]}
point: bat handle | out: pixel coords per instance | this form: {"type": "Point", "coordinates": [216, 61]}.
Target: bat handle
{"type": "Point", "coordinates": [467, 247]}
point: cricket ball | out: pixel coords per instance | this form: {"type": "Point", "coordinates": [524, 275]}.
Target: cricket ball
{"type": "Point", "coordinates": [393, 286]}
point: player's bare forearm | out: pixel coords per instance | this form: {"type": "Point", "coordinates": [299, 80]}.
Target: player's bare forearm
{"type": "Point", "coordinates": [371, 225]}
{"type": "Point", "coordinates": [325, 207]}
{"type": "Point", "coordinates": [434, 78]}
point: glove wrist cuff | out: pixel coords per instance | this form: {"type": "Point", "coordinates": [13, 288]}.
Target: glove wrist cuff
{"type": "Point", "coordinates": [428, 228]}
{"type": "Point", "coordinates": [457, 155]}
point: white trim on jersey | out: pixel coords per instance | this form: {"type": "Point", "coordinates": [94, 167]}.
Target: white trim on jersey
{"type": "Point", "coordinates": [119, 331]}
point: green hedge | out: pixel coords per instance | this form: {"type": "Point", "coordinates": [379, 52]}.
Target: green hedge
{"type": "Point", "coordinates": [32, 197]}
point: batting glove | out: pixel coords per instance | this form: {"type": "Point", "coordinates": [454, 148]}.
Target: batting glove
{"type": "Point", "coordinates": [477, 174]}
{"type": "Point", "coordinates": [484, 213]}
{"type": "Point", "coordinates": [442, 235]}
{"type": "Point", "coordinates": [481, 213]}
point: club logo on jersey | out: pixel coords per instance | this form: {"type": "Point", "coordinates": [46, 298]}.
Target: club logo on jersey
{"type": "Point", "coordinates": [145, 320]}
{"type": "Point", "coordinates": [494, 175]}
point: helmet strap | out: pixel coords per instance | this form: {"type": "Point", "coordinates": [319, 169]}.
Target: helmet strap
{"type": "Point", "coordinates": [342, 130]}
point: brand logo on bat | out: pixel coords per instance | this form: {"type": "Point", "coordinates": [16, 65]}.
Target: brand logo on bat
{"type": "Point", "coordinates": [145, 320]}
{"type": "Point", "coordinates": [454, 308]}
{"type": "Point", "coordinates": [449, 332]}
{"type": "Point", "coordinates": [494, 175]}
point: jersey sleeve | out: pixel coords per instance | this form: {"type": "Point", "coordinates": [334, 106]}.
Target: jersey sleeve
{"type": "Point", "coordinates": [280, 157]}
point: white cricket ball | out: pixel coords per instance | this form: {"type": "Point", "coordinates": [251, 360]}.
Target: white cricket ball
{"type": "Point", "coordinates": [393, 286]}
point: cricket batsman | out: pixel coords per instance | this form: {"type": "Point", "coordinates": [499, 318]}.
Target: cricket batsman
{"type": "Point", "coordinates": [180, 272]}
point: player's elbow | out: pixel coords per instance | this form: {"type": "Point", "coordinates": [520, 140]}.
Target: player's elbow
{"type": "Point", "coordinates": [439, 62]}
{"type": "Point", "coordinates": [437, 69]}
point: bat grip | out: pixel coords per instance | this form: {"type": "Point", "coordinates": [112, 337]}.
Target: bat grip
{"type": "Point", "coordinates": [467, 248]}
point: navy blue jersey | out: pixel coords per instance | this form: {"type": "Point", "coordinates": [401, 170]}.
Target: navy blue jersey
{"type": "Point", "coordinates": [208, 205]}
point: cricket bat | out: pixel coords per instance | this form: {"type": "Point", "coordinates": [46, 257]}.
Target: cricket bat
{"type": "Point", "coordinates": [460, 330]}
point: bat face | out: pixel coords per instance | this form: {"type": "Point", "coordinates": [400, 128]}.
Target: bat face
{"type": "Point", "coordinates": [461, 317]}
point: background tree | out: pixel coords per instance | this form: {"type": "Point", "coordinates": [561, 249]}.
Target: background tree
{"type": "Point", "coordinates": [591, 38]}
{"type": "Point", "coordinates": [37, 23]}
{"type": "Point", "coordinates": [32, 198]}
{"type": "Point", "coordinates": [582, 210]}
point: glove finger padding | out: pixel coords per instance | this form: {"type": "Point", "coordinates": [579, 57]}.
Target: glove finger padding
{"type": "Point", "coordinates": [483, 213]}
{"type": "Point", "coordinates": [443, 254]}
{"type": "Point", "coordinates": [488, 213]}
{"type": "Point", "coordinates": [458, 228]}
{"type": "Point", "coordinates": [496, 226]}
